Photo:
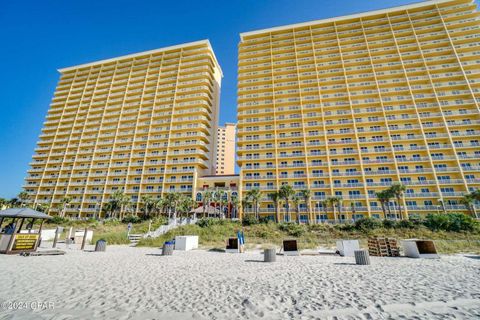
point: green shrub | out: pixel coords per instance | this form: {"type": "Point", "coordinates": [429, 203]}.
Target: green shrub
{"type": "Point", "coordinates": [262, 230]}
{"type": "Point", "coordinates": [437, 222]}
{"type": "Point", "coordinates": [205, 222]}
{"type": "Point", "coordinates": [389, 224]}
{"type": "Point", "coordinates": [264, 234]}
{"type": "Point", "coordinates": [59, 220]}
{"type": "Point", "coordinates": [264, 220]}
{"type": "Point", "coordinates": [368, 224]}
{"type": "Point", "coordinates": [208, 222]}
{"type": "Point", "coordinates": [111, 222]}
{"type": "Point", "coordinates": [462, 222]}
{"type": "Point", "coordinates": [409, 224]}
{"type": "Point", "coordinates": [348, 227]}
{"type": "Point", "coordinates": [131, 219]}
{"type": "Point", "coordinates": [321, 227]}
{"type": "Point", "coordinates": [92, 223]}
{"type": "Point", "coordinates": [455, 222]}
{"type": "Point", "coordinates": [142, 227]}
{"type": "Point", "coordinates": [159, 221]}
{"type": "Point", "coordinates": [249, 220]}
{"type": "Point", "coordinates": [292, 229]}
{"type": "Point", "coordinates": [221, 222]}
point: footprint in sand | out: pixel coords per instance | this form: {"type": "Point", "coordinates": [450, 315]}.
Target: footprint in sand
{"type": "Point", "coordinates": [249, 305]}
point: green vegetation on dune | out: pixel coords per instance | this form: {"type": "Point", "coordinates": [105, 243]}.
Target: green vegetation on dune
{"type": "Point", "coordinates": [213, 234]}
{"type": "Point", "coordinates": [114, 237]}
{"type": "Point", "coordinates": [452, 233]}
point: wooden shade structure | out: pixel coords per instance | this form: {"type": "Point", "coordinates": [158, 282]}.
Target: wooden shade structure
{"type": "Point", "coordinates": [17, 236]}
{"type": "Point", "coordinates": [209, 210]}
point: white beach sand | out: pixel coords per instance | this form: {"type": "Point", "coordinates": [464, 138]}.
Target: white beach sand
{"type": "Point", "coordinates": [138, 283]}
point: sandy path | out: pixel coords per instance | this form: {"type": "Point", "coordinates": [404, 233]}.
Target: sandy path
{"type": "Point", "coordinates": [137, 283]}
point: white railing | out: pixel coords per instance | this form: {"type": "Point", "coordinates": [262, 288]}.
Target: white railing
{"type": "Point", "coordinates": [172, 224]}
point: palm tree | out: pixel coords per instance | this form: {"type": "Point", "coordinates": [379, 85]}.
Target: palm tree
{"type": "Point", "coordinates": [397, 190]}
{"type": "Point", "coordinates": [228, 202]}
{"type": "Point", "coordinates": [160, 206]}
{"type": "Point", "coordinates": [186, 204]}
{"type": "Point", "coordinates": [386, 196]}
{"type": "Point", "coordinates": [389, 195]}
{"type": "Point", "coordinates": [172, 199]}
{"type": "Point", "coordinates": [306, 194]}
{"type": "Point", "coordinates": [191, 204]}
{"type": "Point", "coordinates": [117, 202]}
{"type": "Point", "coordinates": [175, 201]}
{"type": "Point", "coordinates": [245, 203]}
{"type": "Point", "coordinates": [225, 205]}
{"type": "Point", "coordinates": [149, 204]}
{"type": "Point", "coordinates": [44, 207]}
{"type": "Point", "coordinates": [469, 201]}
{"type": "Point", "coordinates": [13, 203]}
{"type": "Point", "coordinates": [334, 202]}
{"type": "Point", "coordinates": [286, 192]}
{"type": "Point", "coordinates": [65, 201]}
{"type": "Point", "coordinates": [476, 194]}
{"type": "Point", "coordinates": [128, 207]}
{"type": "Point", "coordinates": [324, 203]}
{"type": "Point", "coordinates": [222, 202]}
{"type": "Point", "coordinates": [3, 203]}
{"type": "Point", "coordinates": [383, 197]}
{"type": "Point", "coordinates": [168, 202]}
{"type": "Point", "coordinates": [24, 197]}
{"type": "Point", "coordinates": [329, 202]}
{"type": "Point", "coordinates": [108, 208]}
{"type": "Point", "coordinates": [275, 196]}
{"type": "Point", "coordinates": [254, 195]}
{"type": "Point", "coordinates": [216, 197]}
{"type": "Point", "coordinates": [352, 209]}
{"type": "Point", "coordinates": [340, 205]}
{"type": "Point", "coordinates": [235, 204]}
{"type": "Point", "coordinates": [124, 202]}
{"type": "Point", "coordinates": [206, 199]}
{"type": "Point", "coordinates": [296, 205]}
{"type": "Point", "coordinates": [219, 195]}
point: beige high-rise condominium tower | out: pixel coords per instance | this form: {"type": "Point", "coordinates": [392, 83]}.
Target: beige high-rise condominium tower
{"type": "Point", "coordinates": [226, 149]}
{"type": "Point", "coordinates": [143, 124]}
{"type": "Point", "coordinates": [346, 106]}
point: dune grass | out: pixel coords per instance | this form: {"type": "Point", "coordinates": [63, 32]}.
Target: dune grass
{"type": "Point", "coordinates": [112, 237]}
{"type": "Point", "coordinates": [215, 233]}
{"type": "Point", "coordinates": [310, 237]}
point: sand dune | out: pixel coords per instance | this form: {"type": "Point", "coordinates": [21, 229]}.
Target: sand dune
{"type": "Point", "coordinates": [137, 283]}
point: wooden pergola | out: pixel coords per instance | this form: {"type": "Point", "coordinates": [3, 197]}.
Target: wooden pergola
{"type": "Point", "coordinates": [16, 230]}
{"type": "Point", "coordinates": [208, 210]}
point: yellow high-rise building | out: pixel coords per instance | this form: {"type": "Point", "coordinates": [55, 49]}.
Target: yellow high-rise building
{"type": "Point", "coordinates": [144, 124]}
{"type": "Point", "coordinates": [349, 105]}
{"type": "Point", "coordinates": [226, 149]}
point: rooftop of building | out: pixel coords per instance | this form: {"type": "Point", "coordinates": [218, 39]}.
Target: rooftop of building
{"type": "Point", "coordinates": [229, 124]}
{"type": "Point", "coordinates": [345, 17]}
{"type": "Point", "coordinates": [143, 53]}
{"type": "Point", "coordinates": [220, 176]}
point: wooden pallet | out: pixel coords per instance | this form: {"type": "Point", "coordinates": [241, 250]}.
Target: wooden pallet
{"type": "Point", "coordinates": [383, 247]}
{"type": "Point", "coordinates": [394, 250]}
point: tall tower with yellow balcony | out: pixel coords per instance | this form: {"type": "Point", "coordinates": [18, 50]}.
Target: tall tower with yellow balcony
{"type": "Point", "coordinates": [144, 124]}
{"type": "Point", "coordinates": [346, 106]}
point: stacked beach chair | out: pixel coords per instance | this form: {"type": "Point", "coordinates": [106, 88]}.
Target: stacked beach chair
{"type": "Point", "coordinates": [383, 247]}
